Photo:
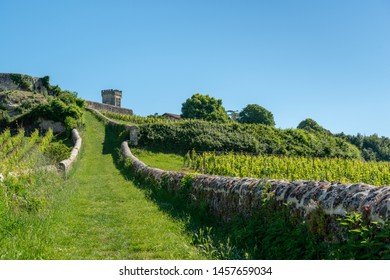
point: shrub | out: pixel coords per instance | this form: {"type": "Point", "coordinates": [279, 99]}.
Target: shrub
{"type": "Point", "coordinates": [23, 81]}
{"type": "Point", "coordinates": [57, 152]}
{"type": "Point", "coordinates": [200, 135]}
{"type": "Point", "coordinates": [204, 107]}
{"type": "Point", "coordinates": [46, 82]}
{"type": "Point", "coordinates": [254, 113]}
{"type": "Point", "coordinates": [312, 126]}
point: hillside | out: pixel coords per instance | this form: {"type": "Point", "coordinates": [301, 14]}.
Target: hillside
{"type": "Point", "coordinates": [20, 93]}
{"type": "Point", "coordinates": [104, 199]}
{"type": "Point", "coordinates": [302, 191]}
{"type": "Point", "coordinates": [16, 102]}
{"type": "Point", "coordinates": [12, 81]}
{"type": "Point", "coordinates": [32, 103]}
{"type": "Point", "coordinates": [96, 214]}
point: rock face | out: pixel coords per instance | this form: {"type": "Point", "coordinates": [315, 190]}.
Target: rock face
{"type": "Point", "coordinates": [228, 196]}
{"type": "Point", "coordinates": [57, 127]}
{"type": "Point", "coordinates": [9, 81]}
{"type": "Point", "coordinates": [19, 93]}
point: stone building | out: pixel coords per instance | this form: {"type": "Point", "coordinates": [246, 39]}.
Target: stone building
{"type": "Point", "coordinates": [170, 116]}
{"type": "Point", "coordinates": [112, 97]}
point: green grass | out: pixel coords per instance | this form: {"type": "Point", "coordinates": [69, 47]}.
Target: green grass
{"type": "Point", "coordinates": [24, 233]}
{"type": "Point", "coordinates": [97, 213]}
{"type": "Point", "coordinates": [165, 161]}
{"type": "Point", "coordinates": [104, 216]}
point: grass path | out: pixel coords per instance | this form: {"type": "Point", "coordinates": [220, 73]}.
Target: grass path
{"type": "Point", "coordinates": [104, 216]}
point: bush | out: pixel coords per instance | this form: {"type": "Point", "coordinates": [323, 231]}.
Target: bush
{"type": "Point", "coordinates": [312, 126]}
{"type": "Point", "coordinates": [46, 82]}
{"type": "Point", "coordinates": [24, 82]}
{"type": "Point", "coordinates": [200, 135]}
{"type": "Point", "coordinates": [67, 97]}
{"type": "Point", "coordinates": [81, 103]}
{"type": "Point", "coordinates": [71, 123]}
{"type": "Point", "coordinates": [254, 113]}
{"type": "Point", "coordinates": [372, 147]}
{"type": "Point", "coordinates": [64, 108]}
{"type": "Point", "coordinates": [204, 107]}
{"type": "Point", "coordinates": [57, 152]}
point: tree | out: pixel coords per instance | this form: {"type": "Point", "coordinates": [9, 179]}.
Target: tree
{"type": "Point", "coordinates": [233, 114]}
{"type": "Point", "coordinates": [254, 113]}
{"type": "Point", "coordinates": [204, 107]}
{"type": "Point", "coordinates": [312, 126]}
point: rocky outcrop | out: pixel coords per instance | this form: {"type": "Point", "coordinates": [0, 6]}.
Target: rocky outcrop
{"type": "Point", "coordinates": [66, 164]}
{"type": "Point", "coordinates": [10, 81]}
{"type": "Point", "coordinates": [45, 125]}
{"type": "Point", "coordinates": [228, 196]}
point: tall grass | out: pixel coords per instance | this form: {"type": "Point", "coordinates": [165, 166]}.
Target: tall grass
{"type": "Point", "coordinates": [25, 189]}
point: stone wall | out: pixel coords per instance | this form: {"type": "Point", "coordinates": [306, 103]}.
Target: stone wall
{"type": "Point", "coordinates": [66, 164]}
{"type": "Point", "coordinates": [228, 196]}
{"type": "Point", "coordinates": [131, 129]}
{"type": "Point", "coordinates": [107, 107]}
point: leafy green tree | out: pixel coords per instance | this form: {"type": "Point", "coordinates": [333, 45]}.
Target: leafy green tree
{"type": "Point", "coordinates": [67, 97]}
{"type": "Point", "coordinates": [372, 147]}
{"type": "Point", "coordinates": [204, 107]}
{"type": "Point", "coordinates": [254, 113]}
{"type": "Point", "coordinates": [311, 125]}
{"type": "Point", "coordinates": [46, 82]}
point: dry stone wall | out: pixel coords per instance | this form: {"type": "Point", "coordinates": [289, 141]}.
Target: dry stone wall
{"type": "Point", "coordinates": [228, 196]}
{"type": "Point", "coordinates": [131, 129]}
{"type": "Point", "coordinates": [107, 107]}
{"type": "Point", "coordinates": [66, 164]}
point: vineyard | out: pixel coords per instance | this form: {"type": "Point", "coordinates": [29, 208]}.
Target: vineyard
{"type": "Point", "coordinates": [134, 119]}
{"type": "Point", "coordinates": [280, 154]}
{"type": "Point", "coordinates": [290, 168]}
{"type": "Point", "coordinates": [23, 162]}
{"type": "Point", "coordinates": [19, 152]}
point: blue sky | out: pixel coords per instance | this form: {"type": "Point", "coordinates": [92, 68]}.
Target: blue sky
{"type": "Point", "coordinates": [327, 60]}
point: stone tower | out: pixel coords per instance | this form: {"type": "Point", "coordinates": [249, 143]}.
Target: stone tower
{"type": "Point", "coordinates": [112, 97]}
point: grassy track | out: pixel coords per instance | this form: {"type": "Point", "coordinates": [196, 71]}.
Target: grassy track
{"type": "Point", "coordinates": [171, 162]}
{"type": "Point", "coordinates": [101, 215]}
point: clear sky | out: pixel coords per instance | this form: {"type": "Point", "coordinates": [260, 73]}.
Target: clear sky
{"type": "Point", "coordinates": [326, 59]}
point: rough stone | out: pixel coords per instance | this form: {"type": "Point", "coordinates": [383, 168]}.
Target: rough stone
{"type": "Point", "coordinates": [6, 83]}
{"type": "Point", "coordinates": [228, 196]}
{"type": "Point", "coordinates": [66, 164]}
{"type": "Point", "coordinates": [109, 108]}
{"type": "Point", "coordinates": [131, 129]}
{"type": "Point", "coordinates": [57, 127]}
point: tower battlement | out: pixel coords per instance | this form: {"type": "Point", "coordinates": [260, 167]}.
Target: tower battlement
{"type": "Point", "coordinates": [112, 97]}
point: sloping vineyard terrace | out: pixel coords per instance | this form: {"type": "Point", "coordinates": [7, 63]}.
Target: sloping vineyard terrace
{"type": "Point", "coordinates": [290, 168]}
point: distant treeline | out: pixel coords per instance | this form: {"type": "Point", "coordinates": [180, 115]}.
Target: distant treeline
{"type": "Point", "coordinates": [372, 147]}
